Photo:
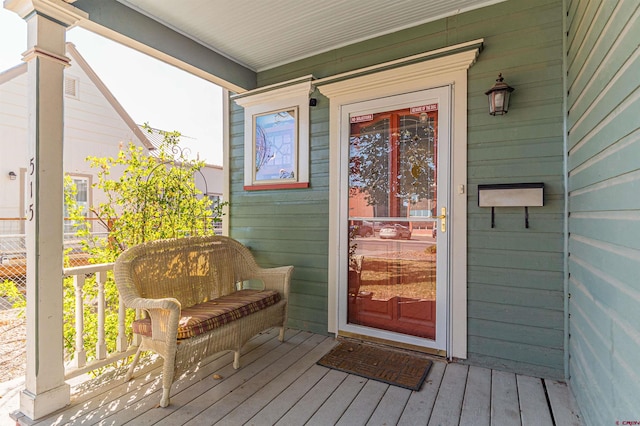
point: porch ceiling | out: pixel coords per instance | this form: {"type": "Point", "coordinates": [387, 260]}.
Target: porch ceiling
{"type": "Point", "coordinates": [264, 34]}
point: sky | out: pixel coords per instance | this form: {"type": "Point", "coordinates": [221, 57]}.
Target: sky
{"type": "Point", "coordinates": [151, 91]}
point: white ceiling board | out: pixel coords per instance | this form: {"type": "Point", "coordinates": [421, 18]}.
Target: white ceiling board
{"type": "Point", "coordinates": [262, 34]}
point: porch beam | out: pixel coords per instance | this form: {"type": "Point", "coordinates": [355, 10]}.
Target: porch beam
{"type": "Point", "coordinates": [118, 22]}
{"type": "Point", "coordinates": [47, 20]}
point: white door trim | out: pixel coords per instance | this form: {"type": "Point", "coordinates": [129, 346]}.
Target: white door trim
{"type": "Point", "coordinates": [441, 71]}
{"type": "Point", "coordinates": [440, 96]}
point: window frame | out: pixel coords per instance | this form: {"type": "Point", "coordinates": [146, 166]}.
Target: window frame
{"type": "Point", "coordinates": [291, 135]}
{"type": "Point", "coordinates": [291, 95]}
{"type": "Point", "coordinates": [68, 224]}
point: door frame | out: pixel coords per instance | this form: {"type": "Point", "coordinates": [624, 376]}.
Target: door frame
{"type": "Point", "coordinates": [442, 97]}
{"type": "Point", "coordinates": [442, 67]}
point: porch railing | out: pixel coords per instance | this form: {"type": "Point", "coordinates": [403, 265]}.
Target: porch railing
{"type": "Point", "coordinates": [79, 365]}
{"type": "Point", "coordinates": [13, 253]}
{"type": "Point", "coordinates": [13, 269]}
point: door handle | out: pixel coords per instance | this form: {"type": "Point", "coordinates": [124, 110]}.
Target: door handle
{"type": "Point", "coordinates": [443, 220]}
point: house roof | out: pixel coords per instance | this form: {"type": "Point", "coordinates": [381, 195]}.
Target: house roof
{"type": "Point", "coordinates": [79, 60]}
{"type": "Point", "coordinates": [13, 72]}
{"type": "Point", "coordinates": [82, 63]}
{"type": "Point", "coordinates": [156, 137]}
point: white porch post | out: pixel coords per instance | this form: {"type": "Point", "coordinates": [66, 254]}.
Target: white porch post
{"type": "Point", "coordinates": [47, 20]}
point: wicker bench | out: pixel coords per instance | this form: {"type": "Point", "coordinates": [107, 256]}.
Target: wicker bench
{"type": "Point", "coordinates": [193, 291]}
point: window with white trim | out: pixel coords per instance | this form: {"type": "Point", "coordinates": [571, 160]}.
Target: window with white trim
{"type": "Point", "coordinates": [276, 135]}
{"type": "Point", "coordinates": [82, 200]}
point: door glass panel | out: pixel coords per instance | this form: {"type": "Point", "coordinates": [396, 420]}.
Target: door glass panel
{"type": "Point", "coordinates": [392, 229]}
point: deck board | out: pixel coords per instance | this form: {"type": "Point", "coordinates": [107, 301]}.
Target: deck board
{"type": "Point", "coordinates": [391, 406]}
{"type": "Point", "coordinates": [281, 384]}
{"type": "Point", "coordinates": [313, 399]}
{"type": "Point", "coordinates": [448, 406]}
{"type": "Point", "coordinates": [252, 405]}
{"type": "Point", "coordinates": [364, 404]}
{"type": "Point", "coordinates": [534, 409]}
{"type": "Point", "coordinates": [420, 404]}
{"type": "Point", "coordinates": [290, 397]}
{"type": "Point", "coordinates": [223, 398]}
{"type": "Point", "coordinates": [562, 404]}
{"type": "Point", "coordinates": [334, 407]}
{"type": "Point", "coordinates": [505, 410]}
{"type": "Point", "coordinates": [187, 390]}
{"type": "Point", "coordinates": [476, 406]}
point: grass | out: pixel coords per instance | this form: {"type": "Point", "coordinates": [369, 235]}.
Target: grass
{"type": "Point", "coordinates": [386, 278]}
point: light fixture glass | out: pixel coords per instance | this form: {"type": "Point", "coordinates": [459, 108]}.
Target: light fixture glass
{"type": "Point", "coordinates": [499, 96]}
{"type": "Point", "coordinates": [12, 175]}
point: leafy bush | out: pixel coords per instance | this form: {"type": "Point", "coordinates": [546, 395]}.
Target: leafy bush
{"type": "Point", "coordinates": [152, 198]}
{"type": "Point", "coordinates": [10, 291]}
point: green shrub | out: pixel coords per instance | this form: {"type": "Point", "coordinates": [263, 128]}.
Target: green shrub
{"type": "Point", "coordinates": [152, 198]}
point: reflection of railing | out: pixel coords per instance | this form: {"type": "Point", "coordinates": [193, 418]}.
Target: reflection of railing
{"type": "Point", "coordinates": [79, 364]}
{"type": "Point", "coordinates": [414, 222]}
{"type": "Point", "coordinates": [426, 219]}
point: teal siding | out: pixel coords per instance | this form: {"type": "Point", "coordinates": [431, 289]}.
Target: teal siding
{"type": "Point", "coordinates": [515, 275]}
{"type": "Point", "coordinates": [288, 227]}
{"type": "Point", "coordinates": [603, 102]}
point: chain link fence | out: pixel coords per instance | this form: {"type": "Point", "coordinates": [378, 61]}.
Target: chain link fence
{"type": "Point", "coordinates": [13, 253]}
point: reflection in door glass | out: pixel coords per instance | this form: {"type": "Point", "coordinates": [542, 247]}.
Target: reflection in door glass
{"type": "Point", "coordinates": [392, 235]}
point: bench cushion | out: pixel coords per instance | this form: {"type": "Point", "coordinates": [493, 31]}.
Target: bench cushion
{"type": "Point", "coordinates": [206, 316]}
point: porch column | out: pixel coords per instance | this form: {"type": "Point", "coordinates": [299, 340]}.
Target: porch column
{"type": "Point", "coordinates": [47, 20]}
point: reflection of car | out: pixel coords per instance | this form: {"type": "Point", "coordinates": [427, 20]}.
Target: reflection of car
{"type": "Point", "coordinates": [395, 231]}
{"type": "Point", "coordinates": [362, 230]}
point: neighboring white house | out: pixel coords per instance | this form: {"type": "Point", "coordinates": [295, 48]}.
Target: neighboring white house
{"type": "Point", "coordinates": [95, 124]}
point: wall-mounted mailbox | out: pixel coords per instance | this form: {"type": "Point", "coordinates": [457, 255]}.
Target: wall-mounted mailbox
{"type": "Point", "coordinates": [511, 195]}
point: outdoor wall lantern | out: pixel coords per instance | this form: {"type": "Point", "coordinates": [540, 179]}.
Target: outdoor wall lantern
{"type": "Point", "coordinates": [499, 96]}
{"type": "Point", "coordinates": [12, 175]}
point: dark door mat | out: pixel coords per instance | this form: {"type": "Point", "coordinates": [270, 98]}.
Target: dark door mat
{"type": "Point", "coordinates": [386, 365]}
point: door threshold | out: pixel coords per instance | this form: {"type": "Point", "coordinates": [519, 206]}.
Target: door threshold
{"type": "Point", "coordinates": [437, 352]}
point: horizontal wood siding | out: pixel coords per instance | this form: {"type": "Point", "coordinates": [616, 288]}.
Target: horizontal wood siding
{"type": "Point", "coordinates": [515, 274]}
{"type": "Point", "coordinates": [13, 129]}
{"type": "Point", "coordinates": [288, 227]}
{"type": "Point", "coordinates": [603, 103]}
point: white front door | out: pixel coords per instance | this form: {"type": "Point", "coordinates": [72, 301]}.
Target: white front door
{"type": "Point", "coordinates": [394, 218]}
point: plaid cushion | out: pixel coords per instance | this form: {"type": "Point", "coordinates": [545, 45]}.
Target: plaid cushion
{"type": "Point", "coordinates": [206, 316]}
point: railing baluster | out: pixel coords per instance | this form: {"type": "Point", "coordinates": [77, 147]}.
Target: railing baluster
{"type": "Point", "coordinates": [79, 364]}
{"type": "Point", "coordinates": [101, 346]}
{"type": "Point", "coordinates": [80, 358]}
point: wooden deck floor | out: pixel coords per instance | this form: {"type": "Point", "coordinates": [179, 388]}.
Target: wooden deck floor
{"type": "Point", "coordinates": [281, 384]}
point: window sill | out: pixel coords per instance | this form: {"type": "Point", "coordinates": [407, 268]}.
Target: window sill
{"type": "Point", "coordinates": [267, 186]}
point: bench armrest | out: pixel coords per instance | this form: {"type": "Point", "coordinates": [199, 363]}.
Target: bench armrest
{"type": "Point", "coordinates": [164, 313]}
{"type": "Point", "coordinates": [277, 279]}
